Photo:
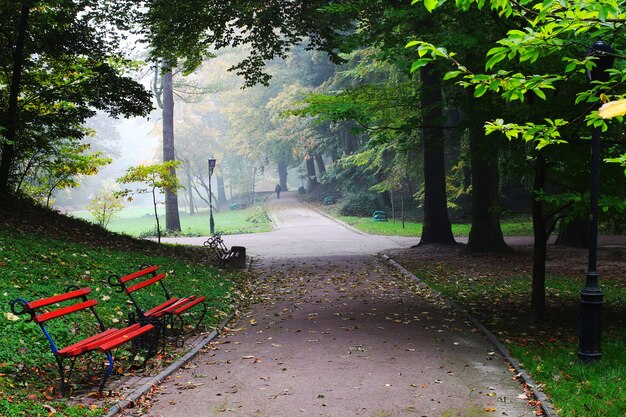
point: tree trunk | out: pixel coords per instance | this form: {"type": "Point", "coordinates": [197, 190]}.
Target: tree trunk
{"type": "Point", "coordinates": [156, 215]}
{"type": "Point", "coordinates": [349, 141]}
{"type": "Point", "coordinates": [172, 217]}
{"type": "Point", "coordinates": [12, 115]}
{"type": "Point", "coordinates": [221, 191]}
{"type": "Point", "coordinates": [486, 233]}
{"type": "Point", "coordinates": [192, 204]}
{"type": "Point", "coordinates": [282, 174]}
{"type": "Point", "coordinates": [436, 227]}
{"type": "Point", "coordinates": [312, 183]}
{"type": "Point", "coordinates": [319, 161]}
{"type": "Point", "coordinates": [574, 234]}
{"type": "Point", "coordinates": [538, 297]}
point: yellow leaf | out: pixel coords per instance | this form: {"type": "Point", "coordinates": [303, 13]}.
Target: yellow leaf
{"type": "Point", "coordinates": [612, 109]}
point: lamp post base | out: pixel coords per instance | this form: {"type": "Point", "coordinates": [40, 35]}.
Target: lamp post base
{"type": "Point", "coordinates": [591, 302]}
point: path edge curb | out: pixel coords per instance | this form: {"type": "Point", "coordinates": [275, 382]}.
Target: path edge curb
{"type": "Point", "coordinates": [157, 379]}
{"type": "Point", "coordinates": [546, 406]}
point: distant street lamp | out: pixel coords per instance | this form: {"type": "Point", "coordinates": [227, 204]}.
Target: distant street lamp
{"type": "Point", "coordinates": [591, 297]}
{"type": "Point", "coordinates": [211, 221]}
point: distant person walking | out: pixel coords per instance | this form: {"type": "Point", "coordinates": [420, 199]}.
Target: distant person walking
{"type": "Point", "coordinates": [278, 189]}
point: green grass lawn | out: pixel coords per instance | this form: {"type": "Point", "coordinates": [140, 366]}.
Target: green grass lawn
{"type": "Point", "coordinates": [34, 266]}
{"type": "Point", "coordinates": [410, 228]}
{"type": "Point", "coordinates": [140, 221]}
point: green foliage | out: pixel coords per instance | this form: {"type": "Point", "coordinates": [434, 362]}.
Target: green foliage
{"type": "Point", "coordinates": [61, 170]}
{"type": "Point", "coordinates": [360, 204]}
{"type": "Point", "coordinates": [270, 30]}
{"type": "Point", "coordinates": [258, 215]}
{"type": "Point", "coordinates": [105, 206]}
{"type": "Point", "coordinates": [549, 29]}
{"type": "Point", "coordinates": [157, 177]}
{"type": "Point", "coordinates": [70, 66]}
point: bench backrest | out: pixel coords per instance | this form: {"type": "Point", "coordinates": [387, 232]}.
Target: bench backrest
{"type": "Point", "coordinates": [144, 277]}
{"type": "Point", "coordinates": [45, 309]}
{"type": "Point", "coordinates": [216, 242]}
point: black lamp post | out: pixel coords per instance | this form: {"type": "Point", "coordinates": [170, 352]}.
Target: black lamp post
{"type": "Point", "coordinates": [591, 297]}
{"type": "Point", "coordinates": [211, 222]}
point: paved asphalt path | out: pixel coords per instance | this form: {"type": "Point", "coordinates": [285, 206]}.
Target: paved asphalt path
{"type": "Point", "coordinates": [300, 232]}
{"type": "Point", "coordinates": [332, 331]}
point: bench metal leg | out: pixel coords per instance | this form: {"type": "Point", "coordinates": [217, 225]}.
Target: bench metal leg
{"type": "Point", "coordinates": [204, 310]}
{"type": "Point", "coordinates": [108, 373]}
{"type": "Point", "coordinates": [65, 377]}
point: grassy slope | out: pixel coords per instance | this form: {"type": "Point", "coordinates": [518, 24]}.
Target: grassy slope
{"type": "Point", "coordinates": [41, 253]}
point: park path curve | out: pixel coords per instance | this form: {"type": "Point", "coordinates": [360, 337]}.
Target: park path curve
{"type": "Point", "coordinates": [333, 331]}
{"type": "Point", "coordinates": [302, 232]}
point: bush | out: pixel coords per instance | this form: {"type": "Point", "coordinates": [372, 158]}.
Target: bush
{"type": "Point", "coordinates": [361, 204]}
{"type": "Point", "coordinates": [258, 215]}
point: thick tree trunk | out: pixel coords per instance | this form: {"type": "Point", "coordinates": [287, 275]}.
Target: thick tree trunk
{"type": "Point", "coordinates": [436, 227]}
{"type": "Point", "coordinates": [221, 191]}
{"type": "Point", "coordinates": [12, 115]}
{"type": "Point", "coordinates": [486, 233]}
{"type": "Point", "coordinates": [172, 217]}
{"type": "Point", "coordinates": [538, 296]}
{"type": "Point", "coordinates": [312, 183]}
{"type": "Point", "coordinates": [574, 234]}
{"type": "Point", "coordinates": [319, 161]}
{"type": "Point", "coordinates": [349, 141]}
{"type": "Point", "coordinates": [282, 174]}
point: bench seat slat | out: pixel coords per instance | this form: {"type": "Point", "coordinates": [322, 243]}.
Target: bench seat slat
{"type": "Point", "coordinates": [64, 310]}
{"type": "Point", "coordinates": [145, 283]}
{"type": "Point", "coordinates": [191, 303]}
{"type": "Point", "coordinates": [158, 310]}
{"type": "Point", "coordinates": [113, 336]}
{"type": "Point", "coordinates": [138, 274]}
{"type": "Point", "coordinates": [81, 347]}
{"type": "Point", "coordinates": [181, 302]}
{"type": "Point", "coordinates": [58, 298]}
{"type": "Point", "coordinates": [125, 337]}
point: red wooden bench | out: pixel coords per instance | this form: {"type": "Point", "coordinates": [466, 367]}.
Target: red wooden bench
{"type": "Point", "coordinates": [161, 315]}
{"type": "Point", "coordinates": [75, 300]}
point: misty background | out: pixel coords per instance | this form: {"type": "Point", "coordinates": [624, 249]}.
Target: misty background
{"type": "Point", "coordinates": [244, 129]}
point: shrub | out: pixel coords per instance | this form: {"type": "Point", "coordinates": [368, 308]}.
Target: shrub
{"type": "Point", "coordinates": [360, 204]}
{"type": "Point", "coordinates": [258, 215]}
